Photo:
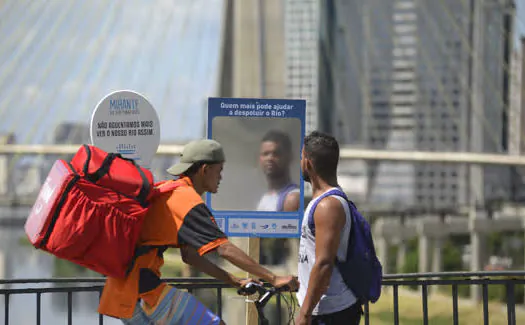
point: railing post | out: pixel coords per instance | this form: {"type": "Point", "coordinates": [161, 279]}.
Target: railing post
{"type": "Point", "coordinates": [70, 308]}
{"type": "Point", "coordinates": [511, 304]}
{"type": "Point", "coordinates": [423, 247]}
{"type": "Point", "coordinates": [366, 310]}
{"type": "Point", "coordinates": [401, 249]}
{"type": "Point", "coordinates": [279, 311]}
{"type": "Point", "coordinates": [482, 279]}
{"type": "Point", "coordinates": [100, 316]}
{"type": "Point", "coordinates": [219, 302]}
{"type": "Point", "coordinates": [38, 308]}
{"type": "Point", "coordinates": [455, 307]}
{"type": "Point", "coordinates": [381, 243]}
{"type": "Point", "coordinates": [485, 304]}
{"type": "Point", "coordinates": [437, 260]}
{"type": "Point", "coordinates": [478, 243]}
{"type": "Point", "coordinates": [6, 309]}
{"type": "Point", "coordinates": [396, 304]}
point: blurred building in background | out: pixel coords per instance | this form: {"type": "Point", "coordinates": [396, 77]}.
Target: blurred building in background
{"type": "Point", "coordinates": [517, 118]}
{"type": "Point", "coordinates": [425, 75]}
{"type": "Point", "coordinates": [72, 133]}
{"type": "Point", "coordinates": [301, 46]}
{"type": "Point", "coordinates": [418, 75]}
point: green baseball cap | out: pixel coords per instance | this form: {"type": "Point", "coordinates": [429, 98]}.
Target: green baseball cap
{"type": "Point", "coordinates": [206, 150]}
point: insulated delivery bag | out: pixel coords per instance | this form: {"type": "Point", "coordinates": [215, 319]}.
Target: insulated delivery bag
{"type": "Point", "coordinates": [90, 211]}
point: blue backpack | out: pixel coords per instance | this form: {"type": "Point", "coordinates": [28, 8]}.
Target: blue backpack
{"type": "Point", "coordinates": [362, 272]}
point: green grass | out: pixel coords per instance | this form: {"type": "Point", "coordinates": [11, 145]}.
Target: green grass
{"type": "Point", "coordinates": [439, 311]}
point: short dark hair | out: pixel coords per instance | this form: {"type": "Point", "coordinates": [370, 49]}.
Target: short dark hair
{"type": "Point", "coordinates": [196, 166]}
{"type": "Point", "coordinates": [279, 137]}
{"type": "Point", "coordinates": [190, 172]}
{"type": "Point", "coordinates": [323, 151]}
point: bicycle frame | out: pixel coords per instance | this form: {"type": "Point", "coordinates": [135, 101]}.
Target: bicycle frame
{"type": "Point", "coordinates": [265, 294]}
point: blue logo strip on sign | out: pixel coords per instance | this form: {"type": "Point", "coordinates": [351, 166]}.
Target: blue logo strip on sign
{"type": "Point", "coordinates": [258, 223]}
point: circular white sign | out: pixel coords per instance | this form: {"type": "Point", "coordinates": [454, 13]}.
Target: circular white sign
{"type": "Point", "coordinates": [125, 122]}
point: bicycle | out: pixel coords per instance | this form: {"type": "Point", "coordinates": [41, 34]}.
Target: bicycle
{"type": "Point", "coordinates": [265, 294]}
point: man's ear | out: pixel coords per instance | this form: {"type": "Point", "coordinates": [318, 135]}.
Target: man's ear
{"type": "Point", "coordinates": [203, 169]}
{"type": "Point", "coordinates": [309, 164]}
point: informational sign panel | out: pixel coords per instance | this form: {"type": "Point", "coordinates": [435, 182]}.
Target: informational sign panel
{"type": "Point", "coordinates": [125, 122]}
{"type": "Point", "coordinates": [262, 141]}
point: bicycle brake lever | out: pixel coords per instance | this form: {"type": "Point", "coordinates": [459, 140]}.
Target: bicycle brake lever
{"type": "Point", "coordinates": [249, 288]}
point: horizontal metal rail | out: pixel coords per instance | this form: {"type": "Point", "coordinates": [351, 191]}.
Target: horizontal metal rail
{"type": "Point", "coordinates": [96, 286]}
{"type": "Point", "coordinates": [346, 153]}
{"type": "Point", "coordinates": [200, 281]}
{"type": "Point", "coordinates": [509, 279]}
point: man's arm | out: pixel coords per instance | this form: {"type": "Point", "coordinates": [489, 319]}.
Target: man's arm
{"type": "Point", "coordinates": [291, 203]}
{"type": "Point", "coordinates": [238, 257]}
{"type": "Point", "coordinates": [191, 256]}
{"type": "Point", "coordinates": [329, 218]}
{"type": "Point", "coordinates": [202, 233]}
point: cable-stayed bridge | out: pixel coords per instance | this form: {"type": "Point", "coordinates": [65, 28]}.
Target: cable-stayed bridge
{"type": "Point", "coordinates": [428, 105]}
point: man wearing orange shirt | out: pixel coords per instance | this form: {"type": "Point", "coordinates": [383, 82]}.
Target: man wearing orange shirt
{"type": "Point", "coordinates": [180, 218]}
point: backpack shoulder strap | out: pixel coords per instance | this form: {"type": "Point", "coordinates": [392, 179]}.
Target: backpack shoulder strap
{"type": "Point", "coordinates": [311, 221]}
{"type": "Point", "coordinates": [282, 195]}
{"type": "Point", "coordinates": [166, 186]}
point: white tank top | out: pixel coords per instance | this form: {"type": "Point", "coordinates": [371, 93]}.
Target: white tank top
{"type": "Point", "coordinates": [270, 200]}
{"type": "Point", "coordinates": [338, 296]}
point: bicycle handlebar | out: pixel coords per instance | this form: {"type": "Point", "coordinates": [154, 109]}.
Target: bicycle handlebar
{"type": "Point", "coordinates": [265, 294]}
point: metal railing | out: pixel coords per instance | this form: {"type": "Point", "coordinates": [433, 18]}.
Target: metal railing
{"type": "Point", "coordinates": [509, 279]}
{"type": "Point", "coordinates": [454, 157]}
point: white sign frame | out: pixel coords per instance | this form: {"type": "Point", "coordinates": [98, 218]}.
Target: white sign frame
{"type": "Point", "coordinates": [125, 122]}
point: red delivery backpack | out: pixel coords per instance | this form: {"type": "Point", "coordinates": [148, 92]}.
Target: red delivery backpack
{"type": "Point", "coordinates": [90, 211]}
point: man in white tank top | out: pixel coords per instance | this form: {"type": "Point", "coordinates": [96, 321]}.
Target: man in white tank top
{"type": "Point", "coordinates": [323, 296]}
{"type": "Point", "coordinates": [275, 157]}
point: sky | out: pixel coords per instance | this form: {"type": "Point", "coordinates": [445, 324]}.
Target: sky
{"type": "Point", "coordinates": [59, 58]}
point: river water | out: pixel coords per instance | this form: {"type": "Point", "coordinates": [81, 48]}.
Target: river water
{"type": "Point", "coordinates": [21, 261]}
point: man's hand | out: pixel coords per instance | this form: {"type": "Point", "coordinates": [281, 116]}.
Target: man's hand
{"type": "Point", "coordinates": [241, 283]}
{"type": "Point", "coordinates": [303, 319]}
{"type": "Point", "coordinates": [291, 281]}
